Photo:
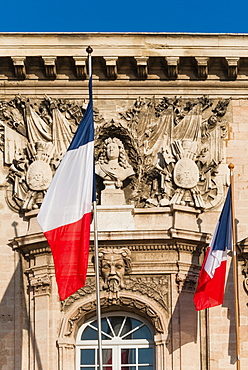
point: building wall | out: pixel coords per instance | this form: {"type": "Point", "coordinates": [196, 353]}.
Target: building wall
{"type": "Point", "coordinates": [165, 243]}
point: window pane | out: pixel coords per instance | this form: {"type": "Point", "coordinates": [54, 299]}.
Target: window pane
{"type": "Point", "coordinates": [89, 334]}
{"type": "Point", "coordinates": [145, 367]}
{"type": "Point", "coordinates": [145, 355]}
{"type": "Point", "coordinates": [128, 356]}
{"type": "Point", "coordinates": [142, 333]}
{"type": "Point", "coordinates": [87, 357]}
{"type": "Point", "coordinates": [107, 356]}
{"type": "Point", "coordinates": [128, 367]}
{"type": "Point", "coordinates": [116, 322]}
{"type": "Point", "coordinates": [87, 368]}
{"type": "Point", "coordinates": [105, 328]}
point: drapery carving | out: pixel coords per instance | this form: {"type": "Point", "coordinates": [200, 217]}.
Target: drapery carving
{"type": "Point", "coordinates": [173, 149]}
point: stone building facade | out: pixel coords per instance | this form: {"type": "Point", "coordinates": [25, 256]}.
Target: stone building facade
{"type": "Point", "coordinates": [175, 108]}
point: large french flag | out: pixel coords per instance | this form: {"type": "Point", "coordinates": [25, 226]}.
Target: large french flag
{"type": "Point", "coordinates": [65, 214]}
{"type": "Point", "coordinates": [211, 282]}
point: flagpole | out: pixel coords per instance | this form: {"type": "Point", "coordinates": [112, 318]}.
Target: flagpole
{"type": "Point", "coordinates": [235, 272]}
{"type": "Point", "coordinates": [89, 50]}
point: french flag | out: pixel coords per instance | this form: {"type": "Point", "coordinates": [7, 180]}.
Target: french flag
{"type": "Point", "coordinates": [65, 214]}
{"type": "Point", "coordinates": [211, 282]}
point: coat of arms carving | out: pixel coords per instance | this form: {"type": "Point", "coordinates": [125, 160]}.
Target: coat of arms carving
{"type": "Point", "coordinates": [171, 149]}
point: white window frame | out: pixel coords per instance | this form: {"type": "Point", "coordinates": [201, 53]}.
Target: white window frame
{"type": "Point", "coordinates": [116, 343]}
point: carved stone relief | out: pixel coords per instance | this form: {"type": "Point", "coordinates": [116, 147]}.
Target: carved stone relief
{"type": "Point", "coordinates": [153, 287]}
{"type": "Point", "coordinates": [124, 302]}
{"type": "Point", "coordinates": [175, 147]}
{"type": "Point", "coordinates": [169, 150]}
{"type": "Point", "coordinates": [114, 264]}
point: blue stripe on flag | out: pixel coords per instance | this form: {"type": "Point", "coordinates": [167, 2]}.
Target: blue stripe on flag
{"type": "Point", "coordinates": [85, 131]}
{"type": "Point", "coordinates": [223, 237]}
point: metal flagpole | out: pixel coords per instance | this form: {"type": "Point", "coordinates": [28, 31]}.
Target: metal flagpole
{"type": "Point", "coordinates": [89, 50]}
{"type": "Point", "coordinates": [235, 272]}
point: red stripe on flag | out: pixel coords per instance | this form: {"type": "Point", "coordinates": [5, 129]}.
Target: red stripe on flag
{"type": "Point", "coordinates": [210, 291]}
{"type": "Point", "coordinates": [70, 249]}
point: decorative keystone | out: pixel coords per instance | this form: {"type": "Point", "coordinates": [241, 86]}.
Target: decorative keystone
{"type": "Point", "coordinates": [80, 67]}
{"type": "Point", "coordinates": [232, 67]}
{"type": "Point", "coordinates": [50, 67]}
{"type": "Point", "coordinates": [172, 66]}
{"type": "Point", "coordinates": [19, 67]}
{"type": "Point", "coordinates": [111, 66]}
{"type": "Point", "coordinates": [142, 68]}
{"type": "Point", "coordinates": [202, 67]}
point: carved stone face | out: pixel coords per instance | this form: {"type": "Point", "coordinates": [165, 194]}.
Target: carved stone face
{"type": "Point", "coordinates": [113, 268]}
{"type": "Point", "coordinates": [112, 151]}
{"type": "Point", "coordinates": [114, 264]}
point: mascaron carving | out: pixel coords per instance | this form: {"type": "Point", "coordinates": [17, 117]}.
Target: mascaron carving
{"type": "Point", "coordinates": [114, 264]}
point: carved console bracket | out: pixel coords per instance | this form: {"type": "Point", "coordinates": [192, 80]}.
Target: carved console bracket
{"type": "Point", "coordinates": [202, 67]}
{"type": "Point", "coordinates": [232, 67]}
{"type": "Point", "coordinates": [172, 66]}
{"type": "Point", "coordinates": [111, 67]}
{"type": "Point", "coordinates": [80, 67]}
{"type": "Point", "coordinates": [50, 67]}
{"type": "Point", "coordinates": [19, 67]}
{"type": "Point", "coordinates": [142, 68]}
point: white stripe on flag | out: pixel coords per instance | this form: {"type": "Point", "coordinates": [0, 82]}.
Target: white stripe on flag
{"type": "Point", "coordinates": [69, 196]}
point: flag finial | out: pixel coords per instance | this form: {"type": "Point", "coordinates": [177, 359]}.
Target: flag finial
{"type": "Point", "coordinates": [89, 50]}
{"type": "Point", "coordinates": [231, 166]}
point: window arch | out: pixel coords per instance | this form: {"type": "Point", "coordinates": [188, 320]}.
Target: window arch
{"type": "Point", "coordinates": [127, 343]}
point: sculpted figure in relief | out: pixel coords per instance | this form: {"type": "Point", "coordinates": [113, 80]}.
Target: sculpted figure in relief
{"type": "Point", "coordinates": [112, 164]}
{"type": "Point", "coordinates": [114, 264]}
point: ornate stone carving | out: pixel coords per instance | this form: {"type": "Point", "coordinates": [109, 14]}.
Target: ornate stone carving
{"type": "Point", "coordinates": [41, 284]}
{"type": "Point", "coordinates": [111, 67]}
{"type": "Point", "coordinates": [114, 264]}
{"type": "Point", "coordinates": [169, 149]}
{"type": "Point", "coordinates": [80, 67]}
{"type": "Point", "coordinates": [155, 287]}
{"type": "Point", "coordinates": [232, 67]}
{"type": "Point", "coordinates": [172, 67]}
{"type": "Point", "coordinates": [142, 68]}
{"type": "Point", "coordinates": [175, 147]}
{"type": "Point", "coordinates": [186, 282]}
{"type": "Point", "coordinates": [112, 164]}
{"type": "Point", "coordinates": [47, 126]}
{"type": "Point", "coordinates": [202, 67]}
{"type": "Point", "coordinates": [126, 302]}
{"type": "Point", "coordinates": [19, 67]}
{"type": "Point", "coordinates": [29, 176]}
{"type": "Point", "coordinates": [50, 67]}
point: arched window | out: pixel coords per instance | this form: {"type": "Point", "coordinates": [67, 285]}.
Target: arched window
{"type": "Point", "coordinates": [127, 344]}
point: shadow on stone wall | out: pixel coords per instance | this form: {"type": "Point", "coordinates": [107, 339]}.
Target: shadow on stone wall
{"type": "Point", "coordinates": [229, 304]}
{"type": "Point", "coordinates": [17, 339]}
{"type": "Point", "coordinates": [182, 327]}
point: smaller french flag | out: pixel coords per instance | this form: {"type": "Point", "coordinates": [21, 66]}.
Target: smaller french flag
{"type": "Point", "coordinates": [65, 214]}
{"type": "Point", "coordinates": [211, 282]}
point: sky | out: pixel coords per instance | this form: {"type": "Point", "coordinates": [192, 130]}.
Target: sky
{"type": "Point", "coordinates": [211, 16]}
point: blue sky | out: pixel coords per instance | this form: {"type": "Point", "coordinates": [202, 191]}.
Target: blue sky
{"type": "Point", "coordinates": [223, 16]}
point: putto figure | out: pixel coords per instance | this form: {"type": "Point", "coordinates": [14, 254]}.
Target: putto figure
{"type": "Point", "coordinates": [112, 165]}
{"type": "Point", "coordinates": [114, 264]}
